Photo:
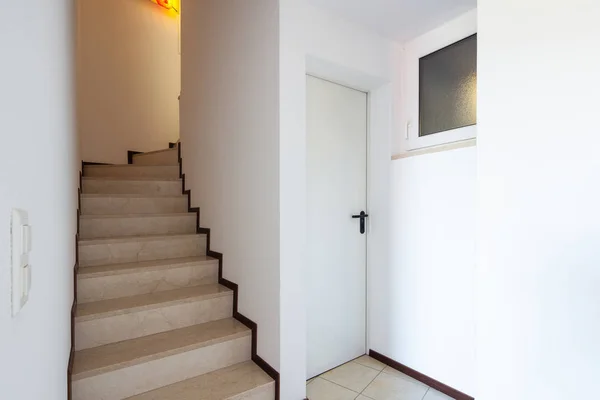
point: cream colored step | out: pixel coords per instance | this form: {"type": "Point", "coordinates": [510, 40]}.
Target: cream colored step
{"type": "Point", "coordinates": [93, 252]}
{"type": "Point", "coordinates": [147, 186]}
{"type": "Point", "coordinates": [241, 381]}
{"type": "Point", "coordinates": [132, 367]}
{"type": "Point", "coordinates": [159, 157]}
{"type": "Point", "coordinates": [103, 204]}
{"type": "Point", "coordinates": [132, 171]}
{"type": "Point", "coordinates": [109, 321]}
{"type": "Point", "coordinates": [105, 226]}
{"type": "Point", "coordinates": [119, 280]}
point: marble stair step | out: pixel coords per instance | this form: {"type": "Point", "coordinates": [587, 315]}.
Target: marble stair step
{"type": "Point", "coordinates": [104, 204]}
{"type": "Point", "coordinates": [104, 226]}
{"type": "Point", "coordinates": [132, 171]}
{"type": "Point", "coordinates": [116, 185]}
{"type": "Point", "coordinates": [132, 367]}
{"type": "Point", "coordinates": [118, 250]}
{"type": "Point", "coordinates": [240, 381]}
{"type": "Point", "coordinates": [111, 281]}
{"type": "Point", "coordinates": [108, 321]}
{"type": "Point", "coordinates": [159, 157]}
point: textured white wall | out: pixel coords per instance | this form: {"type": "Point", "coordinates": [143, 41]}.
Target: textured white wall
{"type": "Point", "coordinates": [538, 236]}
{"type": "Point", "coordinates": [421, 300]}
{"type": "Point", "coordinates": [38, 173]}
{"type": "Point", "coordinates": [128, 78]}
{"type": "Point", "coordinates": [230, 139]}
{"type": "Point", "coordinates": [423, 304]}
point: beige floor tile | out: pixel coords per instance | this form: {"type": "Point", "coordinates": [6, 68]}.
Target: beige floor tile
{"type": "Point", "coordinates": [363, 397]}
{"type": "Point", "coordinates": [390, 387]}
{"type": "Point", "coordinates": [395, 372]}
{"type": "Point", "coordinates": [433, 394]}
{"type": "Point", "coordinates": [370, 362]}
{"type": "Point", "coordinates": [351, 375]}
{"type": "Point", "coordinates": [320, 389]}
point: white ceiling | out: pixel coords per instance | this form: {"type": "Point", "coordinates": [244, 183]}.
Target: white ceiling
{"type": "Point", "coordinates": [399, 20]}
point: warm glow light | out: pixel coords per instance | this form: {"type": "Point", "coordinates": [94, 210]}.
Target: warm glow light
{"type": "Point", "coordinates": [168, 4]}
{"type": "Point", "coordinates": [165, 3]}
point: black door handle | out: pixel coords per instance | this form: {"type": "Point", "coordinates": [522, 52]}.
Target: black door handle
{"type": "Point", "coordinates": [362, 217]}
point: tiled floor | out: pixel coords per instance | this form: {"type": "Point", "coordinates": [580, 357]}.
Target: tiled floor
{"type": "Point", "coordinates": [367, 379]}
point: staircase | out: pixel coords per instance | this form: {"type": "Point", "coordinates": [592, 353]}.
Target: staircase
{"type": "Point", "coordinates": [151, 321]}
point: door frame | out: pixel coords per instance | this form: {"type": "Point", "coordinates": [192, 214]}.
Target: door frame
{"type": "Point", "coordinates": [381, 99]}
{"type": "Point", "coordinates": [384, 88]}
{"type": "Point", "coordinates": [367, 210]}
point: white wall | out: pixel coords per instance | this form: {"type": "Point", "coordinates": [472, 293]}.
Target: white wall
{"type": "Point", "coordinates": [424, 303]}
{"type": "Point", "coordinates": [230, 143]}
{"type": "Point", "coordinates": [38, 174]}
{"type": "Point", "coordinates": [128, 78]}
{"type": "Point", "coordinates": [538, 320]}
{"type": "Point", "coordinates": [422, 299]}
{"type": "Point", "coordinates": [313, 41]}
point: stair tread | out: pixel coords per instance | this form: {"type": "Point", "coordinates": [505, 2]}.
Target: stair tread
{"type": "Point", "coordinates": [97, 360]}
{"type": "Point", "coordinates": [121, 216]}
{"type": "Point", "coordinates": [139, 238]}
{"type": "Point", "coordinates": [130, 178]}
{"type": "Point", "coordinates": [220, 384]}
{"type": "Point", "coordinates": [116, 269]}
{"type": "Point", "coordinates": [123, 305]}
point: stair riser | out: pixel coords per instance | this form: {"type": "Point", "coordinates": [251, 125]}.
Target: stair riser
{"type": "Point", "coordinates": [91, 228]}
{"type": "Point", "coordinates": [161, 158]}
{"type": "Point", "coordinates": [132, 205]}
{"type": "Point", "coordinates": [126, 252]}
{"type": "Point", "coordinates": [143, 282]}
{"type": "Point", "coordinates": [146, 171]}
{"type": "Point", "coordinates": [102, 186]}
{"type": "Point", "coordinates": [100, 331]}
{"type": "Point", "coordinates": [151, 375]}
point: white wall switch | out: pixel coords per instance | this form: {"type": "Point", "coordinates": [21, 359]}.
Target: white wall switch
{"type": "Point", "coordinates": [20, 244]}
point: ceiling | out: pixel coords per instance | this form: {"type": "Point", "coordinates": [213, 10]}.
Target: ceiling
{"type": "Point", "coordinates": [399, 20]}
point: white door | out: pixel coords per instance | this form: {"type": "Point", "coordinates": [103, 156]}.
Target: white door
{"type": "Point", "coordinates": [337, 189]}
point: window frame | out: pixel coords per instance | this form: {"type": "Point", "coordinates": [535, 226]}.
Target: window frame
{"type": "Point", "coordinates": [424, 45]}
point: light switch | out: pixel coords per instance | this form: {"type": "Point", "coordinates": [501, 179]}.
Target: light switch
{"type": "Point", "coordinates": [20, 234]}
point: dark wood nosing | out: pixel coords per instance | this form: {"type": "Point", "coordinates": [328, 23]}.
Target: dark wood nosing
{"type": "Point", "coordinates": [269, 370]}
{"type": "Point", "coordinates": [432, 383]}
{"type": "Point", "coordinates": [130, 154]}
{"type": "Point", "coordinates": [84, 163]}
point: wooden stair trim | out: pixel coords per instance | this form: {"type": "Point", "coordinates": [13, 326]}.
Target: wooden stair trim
{"type": "Point", "coordinates": [272, 372]}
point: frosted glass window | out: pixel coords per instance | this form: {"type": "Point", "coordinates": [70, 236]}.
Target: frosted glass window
{"type": "Point", "coordinates": [448, 88]}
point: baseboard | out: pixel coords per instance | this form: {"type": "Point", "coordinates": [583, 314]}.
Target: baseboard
{"type": "Point", "coordinates": [435, 384]}
{"type": "Point", "coordinates": [269, 370]}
